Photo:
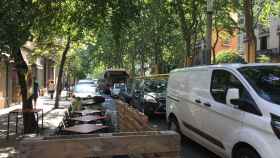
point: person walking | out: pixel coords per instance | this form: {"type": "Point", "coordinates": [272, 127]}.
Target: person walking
{"type": "Point", "coordinates": [36, 92]}
{"type": "Point", "coordinates": [51, 88]}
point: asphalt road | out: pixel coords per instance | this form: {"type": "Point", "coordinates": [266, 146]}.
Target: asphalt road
{"type": "Point", "coordinates": [190, 149]}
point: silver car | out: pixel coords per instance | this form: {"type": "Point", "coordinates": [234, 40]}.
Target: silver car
{"type": "Point", "coordinates": [85, 92]}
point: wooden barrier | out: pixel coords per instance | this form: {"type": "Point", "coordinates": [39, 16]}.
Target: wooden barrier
{"type": "Point", "coordinates": [130, 119]}
{"type": "Point", "coordinates": [155, 144]}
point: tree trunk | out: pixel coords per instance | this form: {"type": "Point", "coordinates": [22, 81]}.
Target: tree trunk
{"type": "Point", "coordinates": [185, 30]}
{"type": "Point", "coordinates": [250, 34]}
{"type": "Point", "coordinates": [59, 79]}
{"type": "Point", "coordinates": [207, 58]}
{"type": "Point", "coordinates": [214, 45]}
{"type": "Point", "coordinates": [29, 122]}
{"type": "Point", "coordinates": [142, 71]}
{"type": "Point", "coordinates": [188, 49]}
{"type": "Point", "coordinates": [157, 56]}
{"type": "Point", "coordinates": [133, 61]}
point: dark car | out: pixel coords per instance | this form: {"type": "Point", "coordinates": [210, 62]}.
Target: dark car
{"type": "Point", "coordinates": [149, 96]}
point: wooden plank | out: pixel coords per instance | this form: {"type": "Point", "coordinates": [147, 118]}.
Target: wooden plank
{"type": "Point", "coordinates": [100, 146]}
{"type": "Point", "coordinates": [131, 118]}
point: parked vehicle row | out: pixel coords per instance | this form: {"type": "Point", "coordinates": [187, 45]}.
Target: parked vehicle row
{"type": "Point", "coordinates": [233, 110]}
{"type": "Point", "coordinates": [147, 95]}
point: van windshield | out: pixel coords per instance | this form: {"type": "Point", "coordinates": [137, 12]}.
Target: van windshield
{"type": "Point", "coordinates": [265, 80]}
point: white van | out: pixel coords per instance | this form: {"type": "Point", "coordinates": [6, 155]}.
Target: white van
{"type": "Point", "coordinates": [233, 109]}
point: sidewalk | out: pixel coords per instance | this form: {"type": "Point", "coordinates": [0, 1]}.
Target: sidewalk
{"type": "Point", "coordinates": [52, 118]}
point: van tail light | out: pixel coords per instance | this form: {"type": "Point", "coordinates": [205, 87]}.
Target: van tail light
{"type": "Point", "coordinates": [275, 123]}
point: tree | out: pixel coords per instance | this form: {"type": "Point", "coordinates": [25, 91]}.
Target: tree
{"type": "Point", "coordinates": [224, 26]}
{"type": "Point", "coordinates": [150, 37]}
{"type": "Point", "coordinates": [190, 14]}
{"type": "Point", "coordinates": [249, 28]}
{"type": "Point", "coordinates": [256, 13]}
{"type": "Point", "coordinates": [16, 19]}
{"type": "Point", "coordinates": [72, 22]}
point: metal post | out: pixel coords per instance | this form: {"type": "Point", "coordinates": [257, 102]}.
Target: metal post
{"type": "Point", "coordinates": [42, 119]}
{"type": "Point", "coordinates": [207, 59]}
{"type": "Point", "coordinates": [8, 126]}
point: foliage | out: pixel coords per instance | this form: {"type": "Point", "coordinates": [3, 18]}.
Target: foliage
{"type": "Point", "coordinates": [229, 56]}
{"type": "Point", "coordinates": [16, 19]}
{"type": "Point", "coordinates": [150, 36]}
{"type": "Point", "coordinates": [264, 10]}
{"type": "Point", "coordinates": [263, 59]}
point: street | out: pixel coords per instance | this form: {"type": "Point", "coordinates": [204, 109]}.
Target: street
{"type": "Point", "coordinates": [190, 149]}
{"type": "Point", "coordinates": [110, 72]}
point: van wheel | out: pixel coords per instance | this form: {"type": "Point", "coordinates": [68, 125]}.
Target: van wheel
{"type": "Point", "coordinates": [173, 125]}
{"type": "Point", "coordinates": [246, 152]}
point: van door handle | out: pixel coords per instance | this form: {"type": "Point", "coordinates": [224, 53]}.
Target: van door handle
{"type": "Point", "coordinates": [197, 101]}
{"type": "Point", "coordinates": [207, 104]}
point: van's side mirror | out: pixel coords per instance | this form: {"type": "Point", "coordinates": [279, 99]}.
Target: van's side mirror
{"type": "Point", "coordinates": [232, 94]}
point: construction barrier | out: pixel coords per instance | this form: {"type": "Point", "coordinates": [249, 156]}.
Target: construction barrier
{"type": "Point", "coordinates": [155, 144]}
{"type": "Point", "coordinates": [130, 119]}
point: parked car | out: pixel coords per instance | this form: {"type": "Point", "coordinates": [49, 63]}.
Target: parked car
{"type": "Point", "coordinates": [86, 92]}
{"type": "Point", "coordinates": [117, 89]}
{"type": "Point", "coordinates": [233, 110]}
{"type": "Point", "coordinates": [149, 96]}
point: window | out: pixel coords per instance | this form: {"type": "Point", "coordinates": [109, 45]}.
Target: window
{"type": "Point", "coordinates": [263, 43]}
{"type": "Point", "coordinates": [265, 80]}
{"type": "Point", "coordinates": [223, 80]}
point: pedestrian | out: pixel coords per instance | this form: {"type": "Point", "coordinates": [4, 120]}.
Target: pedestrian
{"type": "Point", "coordinates": [36, 92]}
{"type": "Point", "coordinates": [51, 88]}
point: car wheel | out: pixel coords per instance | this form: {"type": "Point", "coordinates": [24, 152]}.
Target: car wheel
{"type": "Point", "coordinates": [173, 125]}
{"type": "Point", "coordinates": [148, 109]}
{"type": "Point", "coordinates": [246, 152]}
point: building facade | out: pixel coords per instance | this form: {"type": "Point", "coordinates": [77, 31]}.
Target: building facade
{"type": "Point", "coordinates": [224, 42]}
{"type": "Point", "coordinates": [268, 40]}
{"type": "Point", "coordinates": [43, 70]}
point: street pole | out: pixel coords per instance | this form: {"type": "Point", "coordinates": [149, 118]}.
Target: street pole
{"type": "Point", "coordinates": [207, 59]}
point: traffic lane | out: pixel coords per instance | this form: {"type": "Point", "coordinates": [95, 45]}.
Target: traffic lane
{"type": "Point", "coordinates": [190, 149]}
